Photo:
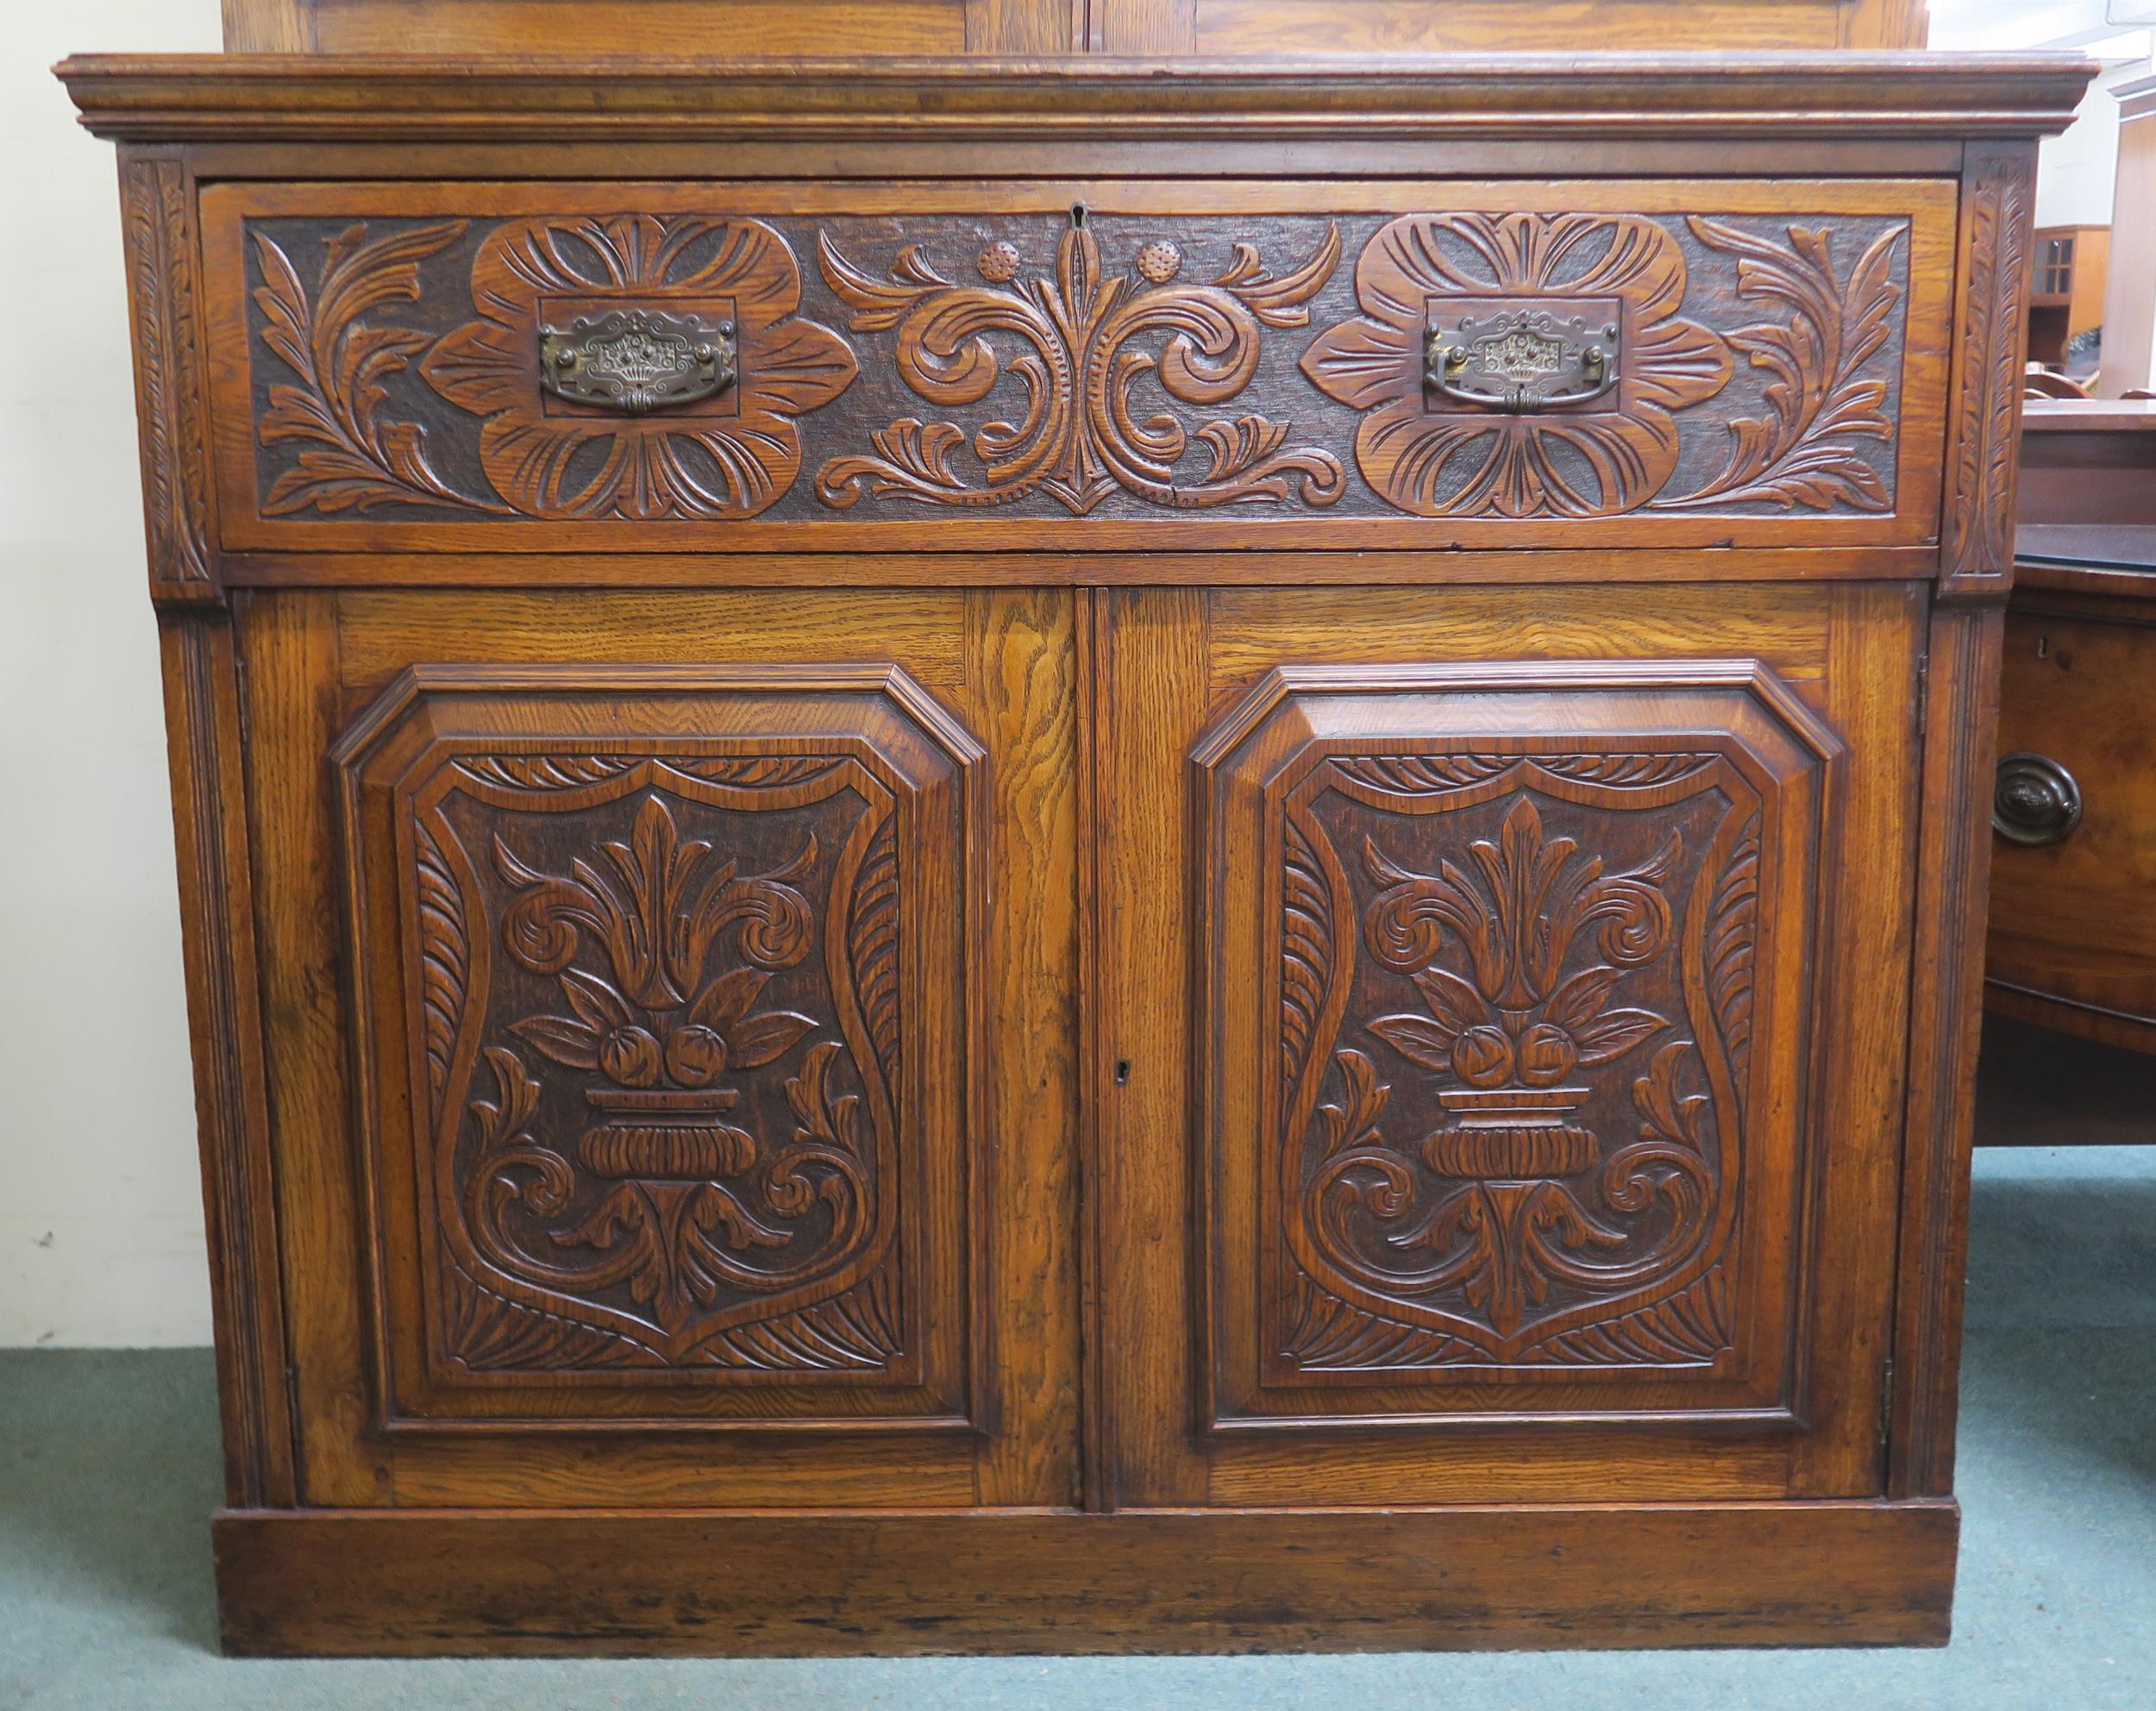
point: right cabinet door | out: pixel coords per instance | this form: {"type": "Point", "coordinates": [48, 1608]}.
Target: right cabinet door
{"type": "Point", "coordinates": [1529, 1123]}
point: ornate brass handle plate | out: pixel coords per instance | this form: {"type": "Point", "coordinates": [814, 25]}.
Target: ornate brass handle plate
{"type": "Point", "coordinates": [1523, 358]}
{"type": "Point", "coordinates": [637, 360]}
{"type": "Point", "coordinates": [2034, 800]}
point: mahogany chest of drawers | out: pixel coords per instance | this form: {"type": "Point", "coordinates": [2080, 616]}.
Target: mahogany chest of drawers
{"type": "Point", "coordinates": [1081, 856]}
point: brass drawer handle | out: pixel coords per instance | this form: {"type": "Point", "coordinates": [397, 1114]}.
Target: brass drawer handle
{"type": "Point", "coordinates": [637, 360]}
{"type": "Point", "coordinates": [2034, 801]}
{"type": "Point", "coordinates": [1522, 361]}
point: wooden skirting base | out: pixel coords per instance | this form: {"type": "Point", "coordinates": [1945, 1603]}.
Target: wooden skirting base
{"type": "Point", "coordinates": [432, 1583]}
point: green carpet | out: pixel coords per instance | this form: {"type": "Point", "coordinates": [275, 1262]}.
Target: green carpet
{"type": "Point", "coordinates": [108, 1465]}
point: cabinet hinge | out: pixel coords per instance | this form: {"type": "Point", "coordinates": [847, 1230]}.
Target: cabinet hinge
{"type": "Point", "coordinates": [1886, 1402]}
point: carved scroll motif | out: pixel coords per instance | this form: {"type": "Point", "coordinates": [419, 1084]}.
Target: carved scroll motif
{"type": "Point", "coordinates": [614, 1183]}
{"type": "Point", "coordinates": [1534, 1160]}
{"type": "Point", "coordinates": [1077, 333]}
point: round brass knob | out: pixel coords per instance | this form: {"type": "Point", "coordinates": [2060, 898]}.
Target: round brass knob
{"type": "Point", "coordinates": [2034, 800]}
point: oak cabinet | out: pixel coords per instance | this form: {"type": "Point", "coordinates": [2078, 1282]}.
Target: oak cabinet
{"type": "Point", "coordinates": [968, 864]}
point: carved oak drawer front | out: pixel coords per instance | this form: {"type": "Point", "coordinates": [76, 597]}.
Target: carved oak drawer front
{"type": "Point", "coordinates": [576, 366]}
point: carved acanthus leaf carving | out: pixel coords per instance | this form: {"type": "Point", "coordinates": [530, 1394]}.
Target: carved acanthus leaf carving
{"type": "Point", "coordinates": [732, 458]}
{"type": "Point", "coordinates": [1818, 399]}
{"type": "Point", "coordinates": [1430, 455]}
{"type": "Point", "coordinates": [1980, 512]}
{"type": "Point", "coordinates": [161, 235]}
{"type": "Point", "coordinates": [354, 456]}
{"type": "Point", "coordinates": [1081, 438]}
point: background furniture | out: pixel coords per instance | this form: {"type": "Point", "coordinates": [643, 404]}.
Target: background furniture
{"type": "Point", "coordinates": [2066, 288]}
{"type": "Point", "coordinates": [2070, 992]}
{"type": "Point", "coordinates": [1082, 855]}
{"type": "Point", "coordinates": [2073, 943]}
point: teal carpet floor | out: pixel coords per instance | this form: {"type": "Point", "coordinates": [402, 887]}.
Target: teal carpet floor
{"type": "Point", "coordinates": [108, 1465]}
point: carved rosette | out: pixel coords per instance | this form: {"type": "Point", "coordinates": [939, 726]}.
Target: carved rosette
{"type": "Point", "coordinates": [1077, 333]}
{"type": "Point", "coordinates": [731, 458]}
{"type": "Point", "coordinates": [1438, 458]}
{"type": "Point", "coordinates": [730, 455]}
{"type": "Point", "coordinates": [1516, 1013]}
{"type": "Point", "coordinates": [661, 1048]}
{"type": "Point", "coordinates": [1429, 452]}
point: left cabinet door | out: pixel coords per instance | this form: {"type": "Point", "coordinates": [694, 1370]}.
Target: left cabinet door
{"type": "Point", "coordinates": [671, 1018]}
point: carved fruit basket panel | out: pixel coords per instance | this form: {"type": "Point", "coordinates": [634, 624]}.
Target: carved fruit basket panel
{"type": "Point", "coordinates": [1502, 966]}
{"type": "Point", "coordinates": [459, 359]}
{"type": "Point", "coordinates": [670, 998]}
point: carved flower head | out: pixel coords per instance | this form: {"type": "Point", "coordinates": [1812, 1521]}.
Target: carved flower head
{"type": "Point", "coordinates": [1436, 457]}
{"type": "Point", "coordinates": [1517, 917]}
{"type": "Point", "coordinates": [1159, 260]}
{"type": "Point", "coordinates": [730, 456]}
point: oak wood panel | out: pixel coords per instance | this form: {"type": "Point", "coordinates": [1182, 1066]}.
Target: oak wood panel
{"type": "Point", "coordinates": [1616, 1575]}
{"type": "Point", "coordinates": [1960, 710]}
{"type": "Point", "coordinates": [703, 28]}
{"type": "Point", "coordinates": [1539, 566]}
{"type": "Point", "coordinates": [316, 667]}
{"type": "Point", "coordinates": [206, 755]}
{"type": "Point", "coordinates": [1845, 654]}
{"type": "Point", "coordinates": [1976, 529]}
{"type": "Point", "coordinates": [163, 245]}
{"type": "Point", "coordinates": [609, 1216]}
{"type": "Point", "coordinates": [456, 444]}
{"type": "Point", "coordinates": [1441, 898]}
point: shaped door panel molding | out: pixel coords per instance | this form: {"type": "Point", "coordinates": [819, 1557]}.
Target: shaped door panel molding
{"type": "Point", "coordinates": [662, 974]}
{"type": "Point", "coordinates": [1505, 985]}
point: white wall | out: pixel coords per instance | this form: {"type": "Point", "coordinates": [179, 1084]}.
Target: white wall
{"type": "Point", "coordinates": [100, 1238]}
{"type": "Point", "coordinates": [2074, 170]}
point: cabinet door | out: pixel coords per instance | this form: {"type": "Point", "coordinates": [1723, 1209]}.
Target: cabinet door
{"type": "Point", "coordinates": [1529, 1126]}
{"type": "Point", "coordinates": [671, 1069]}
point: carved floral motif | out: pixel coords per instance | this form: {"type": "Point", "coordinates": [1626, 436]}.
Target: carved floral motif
{"type": "Point", "coordinates": [1437, 456]}
{"type": "Point", "coordinates": [1118, 376]}
{"type": "Point", "coordinates": [1082, 437]}
{"type": "Point", "coordinates": [731, 458]}
{"type": "Point", "coordinates": [1450, 459]}
{"type": "Point", "coordinates": [1493, 1213]}
{"type": "Point", "coordinates": [614, 1185]}
{"type": "Point", "coordinates": [677, 464]}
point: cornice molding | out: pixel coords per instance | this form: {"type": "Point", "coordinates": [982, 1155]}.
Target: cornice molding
{"type": "Point", "coordinates": [240, 97]}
